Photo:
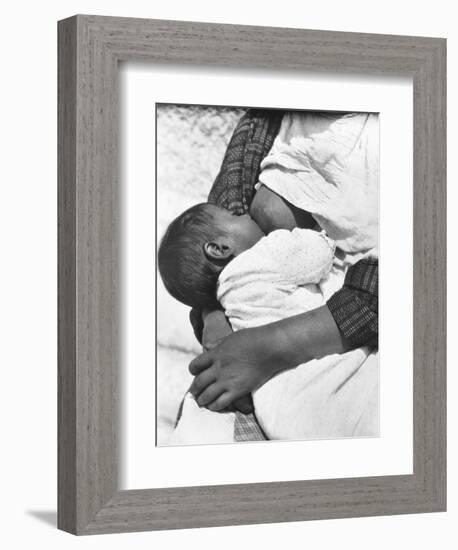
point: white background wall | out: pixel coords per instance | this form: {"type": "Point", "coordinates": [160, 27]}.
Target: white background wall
{"type": "Point", "coordinates": [28, 274]}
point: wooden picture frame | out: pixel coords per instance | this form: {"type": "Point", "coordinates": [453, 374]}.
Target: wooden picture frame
{"type": "Point", "coordinates": [90, 48]}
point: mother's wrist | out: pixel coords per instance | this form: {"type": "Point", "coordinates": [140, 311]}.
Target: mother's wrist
{"type": "Point", "coordinates": [277, 347]}
{"type": "Point", "coordinates": [295, 339]}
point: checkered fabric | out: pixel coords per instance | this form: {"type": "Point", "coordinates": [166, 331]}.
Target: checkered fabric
{"type": "Point", "coordinates": [355, 306]}
{"type": "Point", "coordinates": [252, 139]}
{"type": "Point", "coordinates": [246, 428]}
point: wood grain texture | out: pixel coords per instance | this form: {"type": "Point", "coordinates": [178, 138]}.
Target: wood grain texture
{"type": "Point", "coordinates": [90, 49]}
{"type": "Point", "coordinates": [67, 436]}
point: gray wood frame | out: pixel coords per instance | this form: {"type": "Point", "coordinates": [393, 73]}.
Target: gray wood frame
{"type": "Point", "coordinates": [89, 51]}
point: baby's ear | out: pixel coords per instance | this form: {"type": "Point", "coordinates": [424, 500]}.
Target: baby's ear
{"type": "Point", "coordinates": [217, 251]}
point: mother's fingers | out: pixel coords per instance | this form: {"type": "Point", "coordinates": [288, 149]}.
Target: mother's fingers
{"type": "Point", "coordinates": [200, 363]}
{"type": "Point", "coordinates": [211, 393]}
{"type": "Point", "coordinates": [201, 381]}
{"type": "Point", "coordinates": [244, 404]}
{"type": "Point", "coordinates": [224, 401]}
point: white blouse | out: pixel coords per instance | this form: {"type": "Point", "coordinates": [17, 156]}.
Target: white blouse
{"type": "Point", "coordinates": [328, 164]}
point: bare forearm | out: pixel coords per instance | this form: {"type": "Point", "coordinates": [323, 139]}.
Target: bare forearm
{"type": "Point", "coordinates": [307, 336]}
{"type": "Point", "coordinates": [287, 343]}
{"type": "Point", "coordinates": [247, 359]}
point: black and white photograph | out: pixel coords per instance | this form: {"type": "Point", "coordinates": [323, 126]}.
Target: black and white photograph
{"type": "Point", "coordinates": [267, 260]}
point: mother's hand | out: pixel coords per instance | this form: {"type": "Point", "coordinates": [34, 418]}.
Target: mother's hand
{"type": "Point", "coordinates": [239, 364]}
{"type": "Point", "coordinates": [245, 360]}
{"type": "Point", "coordinates": [216, 327]}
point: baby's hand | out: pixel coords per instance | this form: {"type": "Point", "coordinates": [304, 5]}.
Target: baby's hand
{"type": "Point", "coordinates": [216, 327]}
{"type": "Point", "coordinates": [238, 365]}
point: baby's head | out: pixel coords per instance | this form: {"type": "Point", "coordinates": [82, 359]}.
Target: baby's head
{"type": "Point", "coordinates": [197, 246]}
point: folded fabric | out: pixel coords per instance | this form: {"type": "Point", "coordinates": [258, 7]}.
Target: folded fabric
{"type": "Point", "coordinates": [327, 164]}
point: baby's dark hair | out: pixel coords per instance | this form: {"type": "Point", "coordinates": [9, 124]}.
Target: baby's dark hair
{"type": "Point", "coordinates": [187, 273]}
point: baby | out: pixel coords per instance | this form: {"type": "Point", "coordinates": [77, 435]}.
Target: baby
{"type": "Point", "coordinates": [208, 256]}
{"type": "Point", "coordinates": [198, 247]}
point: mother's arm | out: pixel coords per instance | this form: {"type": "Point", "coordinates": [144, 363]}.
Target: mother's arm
{"type": "Point", "coordinates": [245, 360]}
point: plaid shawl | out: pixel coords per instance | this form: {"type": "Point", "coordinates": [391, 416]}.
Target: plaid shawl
{"type": "Point", "coordinates": [252, 139]}
{"type": "Point", "coordinates": [355, 306]}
